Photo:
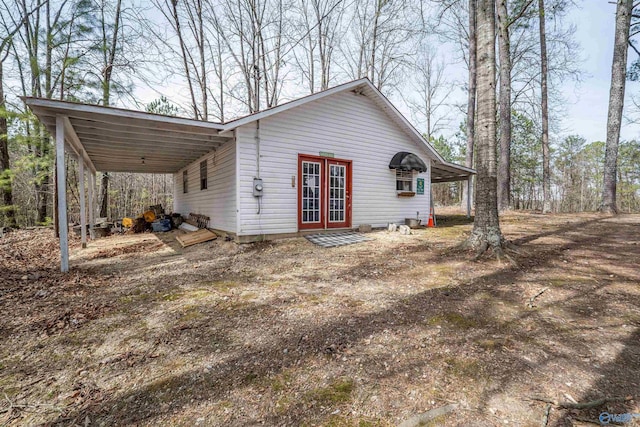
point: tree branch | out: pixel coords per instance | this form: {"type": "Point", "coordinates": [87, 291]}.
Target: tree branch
{"type": "Point", "coordinates": [521, 14]}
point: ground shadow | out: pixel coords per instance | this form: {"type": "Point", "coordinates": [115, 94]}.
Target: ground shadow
{"type": "Point", "coordinates": [475, 321]}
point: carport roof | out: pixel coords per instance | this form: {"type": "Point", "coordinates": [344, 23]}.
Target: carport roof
{"type": "Point", "coordinates": [117, 140]}
{"type": "Point", "coordinates": [449, 172]}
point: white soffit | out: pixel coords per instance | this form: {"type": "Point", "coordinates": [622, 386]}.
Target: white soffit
{"type": "Point", "coordinates": [117, 140]}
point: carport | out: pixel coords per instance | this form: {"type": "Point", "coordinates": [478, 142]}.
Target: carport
{"type": "Point", "coordinates": [449, 172]}
{"type": "Point", "coordinates": [111, 139]}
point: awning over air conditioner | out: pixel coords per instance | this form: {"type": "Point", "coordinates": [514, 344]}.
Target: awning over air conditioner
{"type": "Point", "coordinates": [408, 162]}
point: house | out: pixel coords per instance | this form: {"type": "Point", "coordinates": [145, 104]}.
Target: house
{"type": "Point", "coordinates": [335, 159]}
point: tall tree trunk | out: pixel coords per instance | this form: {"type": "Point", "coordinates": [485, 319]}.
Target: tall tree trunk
{"type": "Point", "coordinates": [5, 166]}
{"type": "Point", "coordinates": [42, 184]}
{"type": "Point", "coordinates": [104, 194]}
{"type": "Point", "coordinates": [203, 66]}
{"type": "Point", "coordinates": [43, 200]}
{"type": "Point", "coordinates": [546, 170]}
{"type": "Point", "coordinates": [324, 80]}
{"type": "Point", "coordinates": [185, 63]}
{"type": "Point", "coordinates": [471, 98]}
{"type": "Point", "coordinates": [427, 109]}
{"type": "Point", "coordinates": [107, 73]}
{"type": "Point", "coordinates": [486, 226]}
{"type": "Point", "coordinates": [504, 165]}
{"type": "Point", "coordinates": [104, 191]}
{"type": "Point", "coordinates": [221, 80]}
{"type": "Point", "coordinates": [616, 104]}
{"type": "Point", "coordinates": [374, 42]}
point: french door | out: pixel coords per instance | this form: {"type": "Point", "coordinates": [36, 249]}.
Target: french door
{"type": "Point", "coordinates": [324, 192]}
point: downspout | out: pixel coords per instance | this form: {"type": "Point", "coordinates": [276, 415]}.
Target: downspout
{"type": "Point", "coordinates": [257, 139]}
{"type": "Point", "coordinates": [469, 189]}
{"type": "Point", "coordinates": [238, 186]}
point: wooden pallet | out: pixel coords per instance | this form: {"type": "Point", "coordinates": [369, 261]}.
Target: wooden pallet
{"type": "Point", "coordinates": [200, 221]}
{"type": "Point", "coordinates": [196, 237]}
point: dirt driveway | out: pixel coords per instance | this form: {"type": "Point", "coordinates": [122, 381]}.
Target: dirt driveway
{"type": "Point", "coordinates": [142, 332]}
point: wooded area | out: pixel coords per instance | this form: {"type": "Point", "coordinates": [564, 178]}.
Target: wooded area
{"type": "Point", "coordinates": [399, 329]}
{"type": "Point", "coordinates": [216, 60]}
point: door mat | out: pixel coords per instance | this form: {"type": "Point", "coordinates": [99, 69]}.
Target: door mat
{"type": "Point", "coordinates": [336, 239]}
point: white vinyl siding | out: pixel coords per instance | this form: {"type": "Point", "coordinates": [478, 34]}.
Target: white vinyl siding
{"type": "Point", "coordinates": [218, 200]}
{"type": "Point", "coordinates": [351, 127]}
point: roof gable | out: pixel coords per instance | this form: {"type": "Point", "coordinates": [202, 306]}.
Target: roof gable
{"type": "Point", "coordinates": [362, 86]}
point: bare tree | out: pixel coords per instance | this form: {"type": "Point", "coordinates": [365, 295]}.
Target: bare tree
{"type": "Point", "coordinates": [5, 165]}
{"type": "Point", "coordinates": [456, 23]}
{"type": "Point", "coordinates": [624, 9]}
{"type": "Point", "coordinates": [380, 44]}
{"type": "Point", "coordinates": [187, 22]}
{"type": "Point", "coordinates": [217, 51]}
{"type": "Point", "coordinates": [109, 46]}
{"type": "Point", "coordinates": [30, 36]}
{"type": "Point", "coordinates": [10, 30]}
{"type": "Point", "coordinates": [41, 52]}
{"type": "Point", "coordinates": [544, 98]}
{"type": "Point", "coordinates": [486, 227]}
{"type": "Point", "coordinates": [316, 39]}
{"type": "Point", "coordinates": [471, 94]}
{"type": "Point", "coordinates": [327, 20]}
{"type": "Point", "coordinates": [432, 90]}
{"type": "Point", "coordinates": [504, 54]}
{"type": "Point", "coordinates": [253, 35]}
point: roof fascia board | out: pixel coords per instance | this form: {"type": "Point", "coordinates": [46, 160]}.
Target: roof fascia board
{"type": "Point", "coordinates": [229, 126]}
{"type": "Point", "coordinates": [459, 167]}
{"type": "Point", "coordinates": [117, 112]}
{"type": "Point", "coordinates": [450, 179]}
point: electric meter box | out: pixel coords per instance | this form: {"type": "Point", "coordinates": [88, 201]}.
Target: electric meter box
{"type": "Point", "coordinates": [257, 187]}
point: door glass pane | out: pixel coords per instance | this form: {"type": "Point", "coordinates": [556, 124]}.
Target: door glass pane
{"type": "Point", "coordinates": [310, 192]}
{"type": "Point", "coordinates": [337, 193]}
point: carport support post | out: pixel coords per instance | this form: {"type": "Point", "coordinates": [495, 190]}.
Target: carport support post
{"type": "Point", "coordinates": [469, 195]}
{"type": "Point", "coordinates": [62, 196]}
{"type": "Point", "coordinates": [92, 184]}
{"type": "Point", "coordinates": [83, 204]}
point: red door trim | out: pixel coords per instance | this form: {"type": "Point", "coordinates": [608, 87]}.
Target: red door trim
{"type": "Point", "coordinates": [312, 226]}
{"type": "Point", "coordinates": [347, 211]}
{"type": "Point", "coordinates": [323, 191]}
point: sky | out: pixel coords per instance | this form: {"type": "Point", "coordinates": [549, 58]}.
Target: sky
{"type": "Point", "coordinates": [584, 111]}
{"type": "Point", "coordinates": [587, 104]}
